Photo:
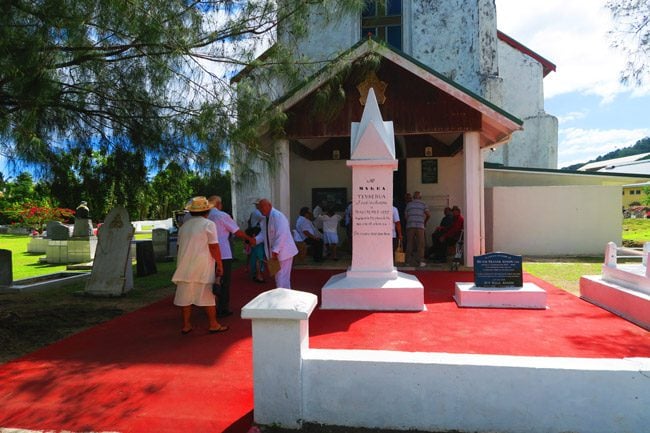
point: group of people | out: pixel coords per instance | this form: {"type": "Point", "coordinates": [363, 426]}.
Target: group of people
{"type": "Point", "coordinates": [416, 215]}
{"type": "Point", "coordinates": [204, 263]}
{"type": "Point", "coordinates": [319, 230]}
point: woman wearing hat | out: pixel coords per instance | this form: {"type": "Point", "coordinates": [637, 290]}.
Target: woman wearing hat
{"type": "Point", "coordinates": [198, 251]}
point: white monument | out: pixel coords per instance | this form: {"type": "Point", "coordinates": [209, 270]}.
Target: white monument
{"type": "Point", "coordinates": [372, 282]}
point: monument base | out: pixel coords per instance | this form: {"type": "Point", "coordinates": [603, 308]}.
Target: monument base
{"type": "Point", "coordinates": [81, 250]}
{"type": "Point", "coordinates": [630, 304]}
{"type": "Point", "coordinates": [381, 291]}
{"type": "Point", "coordinates": [530, 296]}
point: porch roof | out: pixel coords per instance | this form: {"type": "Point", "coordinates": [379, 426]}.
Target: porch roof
{"type": "Point", "coordinates": [496, 125]}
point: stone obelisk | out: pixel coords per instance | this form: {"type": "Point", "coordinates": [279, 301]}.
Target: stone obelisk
{"type": "Point", "coordinates": [372, 282]}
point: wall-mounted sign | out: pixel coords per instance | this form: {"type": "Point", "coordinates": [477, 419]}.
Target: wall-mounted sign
{"type": "Point", "coordinates": [429, 171]}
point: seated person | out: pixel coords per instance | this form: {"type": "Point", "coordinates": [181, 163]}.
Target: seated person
{"type": "Point", "coordinates": [445, 223]}
{"type": "Point", "coordinates": [449, 237]}
{"type": "Point", "coordinates": [308, 234]}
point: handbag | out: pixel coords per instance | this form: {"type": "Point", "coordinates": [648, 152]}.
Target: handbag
{"type": "Point", "coordinates": [400, 255]}
{"type": "Point", "coordinates": [273, 265]}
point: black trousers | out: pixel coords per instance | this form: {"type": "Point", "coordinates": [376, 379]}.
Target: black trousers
{"type": "Point", "coordinates": [223, 294]}
{"type": "Point", "coordinates": [316, 247]}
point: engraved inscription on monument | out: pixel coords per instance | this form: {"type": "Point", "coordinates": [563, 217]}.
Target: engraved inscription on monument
{"type": "Point", "coordinates": [372, 208]}
{"type": "Point", "coordinates": [498, 270]}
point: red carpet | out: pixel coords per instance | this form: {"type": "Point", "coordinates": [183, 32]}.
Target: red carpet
{"type": "Point", "coordinates": [138, 374]}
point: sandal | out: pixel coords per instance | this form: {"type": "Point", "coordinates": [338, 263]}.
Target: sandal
{"type": "Point", "coordinates": [222, 328]}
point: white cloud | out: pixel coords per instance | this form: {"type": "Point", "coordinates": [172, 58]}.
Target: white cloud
{"type": "Point", "coordinates": [572, 116]}
{"type": "Point", "coordinates": [573, 35]}
{"type": "Point", "coordinates": [579, 145]}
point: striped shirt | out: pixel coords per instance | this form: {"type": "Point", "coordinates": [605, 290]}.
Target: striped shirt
{"type": "Point", "coordinates": [415, 214]}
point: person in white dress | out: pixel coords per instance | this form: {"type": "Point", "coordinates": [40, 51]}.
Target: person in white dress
{"type": "Point", "coordinates": [330, 222]}
{"type": "Point", "coordinates": [198, 253]}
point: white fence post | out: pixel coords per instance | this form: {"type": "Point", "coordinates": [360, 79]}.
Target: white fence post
{"type": "Point", "coordinates": [280, 336]}
{"type": "Point", "coordinates": [610, 255]}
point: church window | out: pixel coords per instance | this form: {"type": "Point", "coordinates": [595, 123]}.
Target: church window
{"type": "Point", "coordinates": [383, 20]}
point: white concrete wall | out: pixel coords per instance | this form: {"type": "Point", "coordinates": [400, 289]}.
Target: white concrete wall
{"type": "Point", "coordinates": [506, 177]}
{"type": "Point", "coordinates": [475, 393]}
{"type": "Point", "coordinates": [547, 221]}
{"type": "Point", "coordinates": [456, 38]}
{"type": "Point", "coordinates": [523, 95]}
{"type": "Point", "coordinates": [432, 391]}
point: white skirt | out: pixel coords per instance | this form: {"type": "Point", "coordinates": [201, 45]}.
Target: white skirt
{"type": "Point", "coordinates": [330, 238]}
{"type": "Point", "coordinates": [191, 293]}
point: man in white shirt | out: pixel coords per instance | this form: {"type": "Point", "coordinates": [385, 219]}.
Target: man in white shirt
{"type": "Point", "coordinates": [278, 242]}
{"type": "Point", "coordinates": [225, 226]}
{"type": "Point", "coordinates": [308, 233]}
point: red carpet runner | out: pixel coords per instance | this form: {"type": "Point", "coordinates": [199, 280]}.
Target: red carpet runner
{"type": "Point", "coordinates": [138, 374]}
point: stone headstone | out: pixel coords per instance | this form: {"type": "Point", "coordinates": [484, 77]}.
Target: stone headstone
{"type": "Point", "coordinates": [498, 270]}
{"type": "Point", "coordinates": [372, 281]}
{"type": "Point", "coordinates": [83, 225]}
{"type": "Point", "coordinates": [145, 258]}
{"type": "Point", "coordinates": [160, 239]}
{"type": "Point", "coordinates": [57, 231]}
{"type": "Point", "coordinates": [6, 270]}
{"type": "Point", "coordinates": [112, 273]}
{"type": "Point", "coordinates": [83, 228]}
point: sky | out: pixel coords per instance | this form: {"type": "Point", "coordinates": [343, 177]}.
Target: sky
{"type": "Point", "coordinates": [596, 113]}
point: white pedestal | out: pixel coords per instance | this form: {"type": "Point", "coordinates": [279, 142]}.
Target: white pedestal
{"type": "Point", "coordinates": [369, 291]}
{"type": "Point", "coordinates": [529, 296]}
{"type": "Point", "coordinates": [630, 304]}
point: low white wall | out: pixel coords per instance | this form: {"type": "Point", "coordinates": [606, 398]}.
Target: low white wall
{"type": "Point", "coordinates": [475, 393]}
{"type": "Point", "coordinates": [432, 391]}
{"type": "Point", "coordinates": [552, 220]}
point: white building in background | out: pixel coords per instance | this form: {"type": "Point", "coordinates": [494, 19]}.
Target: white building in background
{"type": "Point", "coordinates": [459, 93]}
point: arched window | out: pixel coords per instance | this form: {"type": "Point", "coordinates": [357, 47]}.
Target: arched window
{"type": "Point", "coordinates": [383, 20]}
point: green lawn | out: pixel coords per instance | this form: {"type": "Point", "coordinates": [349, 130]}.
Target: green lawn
{"type": "Point", "coordinates": [636, 230]}
{"type": "Point", "coordinates": [26, 264]}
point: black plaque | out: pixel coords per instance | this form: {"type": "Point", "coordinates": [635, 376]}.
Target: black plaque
{"type": "Point", "coordinates": [429, 171]}
{"type": "Point", "coordinates": [498, 270]}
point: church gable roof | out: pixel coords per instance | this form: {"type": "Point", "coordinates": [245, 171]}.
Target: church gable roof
{"type": "Point", "coordinates": [495, 124]}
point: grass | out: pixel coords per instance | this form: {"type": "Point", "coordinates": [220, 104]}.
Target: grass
{"type": "Point", "coordinates": [636, 231]}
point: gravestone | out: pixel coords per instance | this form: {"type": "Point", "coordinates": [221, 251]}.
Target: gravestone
{"type": "Point", "coordinates": [83, 225]}
{"type": "Point", "coordinates": [6, 269]}
{"type": "Point", "coordinates": [57, 245]}
{"type": "Point", "coordinates": [498, 283]}
{"type": "Point", "coordinates": [145, 258]}
{"type": "Point", "coordinates": [498, 270]}
{"type": "Point", "coordinates": [160, 239]}
{"type": "Point", "coordinates": [372, 282]}
{"type": "Point", "coordinates": [112, 273]}
{"type": "Point", "coordinates": [57, 231]}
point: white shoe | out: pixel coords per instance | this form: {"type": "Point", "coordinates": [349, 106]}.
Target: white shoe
{"type": "Point", "coordinates": [423, 264]}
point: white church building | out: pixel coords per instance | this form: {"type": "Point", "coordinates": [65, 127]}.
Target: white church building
{"type": "Point", "coordinates": [460, 94]}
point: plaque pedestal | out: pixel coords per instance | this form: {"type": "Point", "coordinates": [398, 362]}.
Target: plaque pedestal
{"type": "Point", "coordinates": [529, 296]}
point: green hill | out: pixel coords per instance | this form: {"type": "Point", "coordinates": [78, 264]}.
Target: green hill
{"type": "Point", "coordinates": [641, 146]}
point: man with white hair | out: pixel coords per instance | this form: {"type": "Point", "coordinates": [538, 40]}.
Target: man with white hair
{"type": "Point", "coordinates": [279, 245]}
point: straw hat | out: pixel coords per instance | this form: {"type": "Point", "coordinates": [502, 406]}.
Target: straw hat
{"type": "Point", "coordinates": [198, 204]}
